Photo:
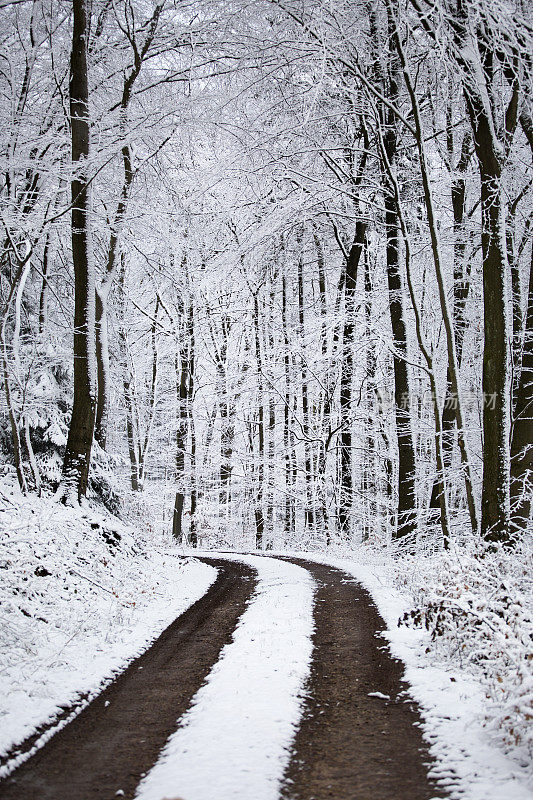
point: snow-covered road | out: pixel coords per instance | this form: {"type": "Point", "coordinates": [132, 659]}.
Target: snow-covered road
{"type": "Point", "coordinates": [307, 639]}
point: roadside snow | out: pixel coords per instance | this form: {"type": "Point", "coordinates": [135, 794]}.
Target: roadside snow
{"type": "Point", "coordinates": [233, 742]}
{"type": "Point", "coordinates": [81, 596]}
{"type": "Point", "coordinates": [452, 702]}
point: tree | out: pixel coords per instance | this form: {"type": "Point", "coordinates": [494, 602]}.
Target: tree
{"type": "Point", "coordinates": [80, 436]}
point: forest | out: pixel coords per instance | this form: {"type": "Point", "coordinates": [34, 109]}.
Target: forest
{"type": "Point", "coordinates": [266, 284]}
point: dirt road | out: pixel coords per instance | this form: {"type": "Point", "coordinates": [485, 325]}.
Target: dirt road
{"type": "Point", "coordinates": [359, 738]}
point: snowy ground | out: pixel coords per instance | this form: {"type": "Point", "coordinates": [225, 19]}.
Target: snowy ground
{"type": "Point", "coordinates": [237, 734]}
{"type": "Point", "coordinates": [453, 701]}
{"type": "Point", "coordinates": [75, 608]}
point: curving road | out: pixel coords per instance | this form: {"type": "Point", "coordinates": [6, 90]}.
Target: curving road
{"type": "Point", "coordinates": [352, 744]}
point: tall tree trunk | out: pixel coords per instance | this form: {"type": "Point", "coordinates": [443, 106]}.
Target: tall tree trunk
{"type": "Point", "coordinates": [226, 415]}
{"type": "Point", "coordinates": [495, 499]}
{"type": "Point", "coordinates": [308, 472]}
{"type": "Point", "coordinates": [127, 379]}
{"type": "Point", "coordinates": [522, 439]}
{"type": "Point", "coordinates": [325, 404]}
{"type": "Point", "coordinates": [80, 435]}
{"type": "Point", "coordinates": [475, 57]}
{"type": "Point", "coordinates": [259, 472]}
{"type": "Point", "coordinates": [43, 295]}
{"type": "Point", "coordinates": [149, 414]}
{"type": "Point", "coordinates": [287, 443]}
{"type": "Point", "coordinates": [271, 427]}
{"type": "Point", "coordinates": [193, 537]}
{"type": "Point", "coordinates": [182, 387]}
{"type": "Point", "coordinates": [102, 364]}
{"type": "Point", "coordinates": [406, 522]}
{"type": "Point", "coordinates": [369, 476]}
{"type": "Point", "coordinates": [346, 381]}
{"type": "Point", "coordinates": [522, 433]}
{"type": "Point", "coordinates": [496, 399]}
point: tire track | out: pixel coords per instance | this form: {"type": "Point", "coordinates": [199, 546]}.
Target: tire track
{"type": "Point", "coordinates": [351, 745]}
{"type": "Point", "coordinates": [117, 738]}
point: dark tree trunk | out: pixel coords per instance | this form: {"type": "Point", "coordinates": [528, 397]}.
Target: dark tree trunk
{"type": "Point", "coordinates": [308, 472]}
{"type": "Point", "coordinates": [369, 476]}
{"type": "Point", "coordinates": [226, 415]}
{"type": "Point", "coordinates": [140, 52]}
{"type": "Point", "coordinates": [287, 443]}
{"type": "Point", "coordinates": [522, 435]}
{"type": "Point", "coordinates": [325, 410]}
{"type": "Point", "coordinates": [80, 435]}
{"type": "Point", "coordinates": [182, 387]}
{"type": "Point", "coordinates": [193, 538]}
{"type": "Point", "coordinates": [495, 491]}
{"type": "Point", "coordinates": [102, 362]}
{"type": "Point", "coordinates": [402, 400]}
{"type": "Point", "coordinates": [346, 381]}
{"type": "Point", "coordinates": [127, 379]}
{"type": "Point", "coordinates": [271, 428]}
{"type": "Point", "coordinates": [259, 472]}
{"type": "Point", "coordinates": [43, 295]}
{"type": "Point", "coordinates": [522, 439]}
{"type": "Point", "coordinates": [478, 81]}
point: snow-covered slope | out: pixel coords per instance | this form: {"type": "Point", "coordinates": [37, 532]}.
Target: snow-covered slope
{"type": "Point", "coordinates": [81, 595]}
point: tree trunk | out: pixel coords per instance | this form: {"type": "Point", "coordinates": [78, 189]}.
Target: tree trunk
{"type": "Point", "coordinates": [453, 367]}
{"type": "Point", "coordinates": [287, 443]}
{"type": "Point", "coordinates": [346, 381]}
{"type": "Point", "coordinates": [193, 537]}
{"type": "Point", "coordinates": [370, 483]}
{"type": "Point", "coordinates": [406, 523]}
{"type": "Point", "coordinates": [226, 416]}
{"type": "Point", "coordinates": [259, 472]}
{"type": "Point", "coordinates": [127, 379]}
{"type": "Point", "coordinates": [325, 404]}
{"type": "Point", "coordinates": [271, 427]}
{"type": "Point", "coordinates": [80, 436]}
{"type": "Point", "coordinates": [43, 294]}
{"type": "Point", "coordinates": [308, 472]}
{"type": "Point", "coordinates": [140, 52]}
{"type": "Point", "coordinates": [149, 414]}
{"type": "Point", "coordinates": [522, 439]}
{"type": "Point", "coordinates": [496, 399]}
{"type": "Point", "coordinates": [182, 430]}
{"type": "Point", "coordinates": [102, 362]}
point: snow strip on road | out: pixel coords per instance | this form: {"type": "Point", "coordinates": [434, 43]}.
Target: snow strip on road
{"type": "Point", "coordinates": [233, 744]}
{"type": "Point", "coordinates": [451, 702]}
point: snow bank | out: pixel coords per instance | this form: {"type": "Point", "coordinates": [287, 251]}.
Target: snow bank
{"type": "Point", "coordinates": [453, 698]}
{"type": "Point", "coordinates": [233, 743]}
{"type": "Point", "coordinates": [80, 597]}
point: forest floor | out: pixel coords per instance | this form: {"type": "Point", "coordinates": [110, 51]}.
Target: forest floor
{"type": "Point", "coordinates": [278, 682]}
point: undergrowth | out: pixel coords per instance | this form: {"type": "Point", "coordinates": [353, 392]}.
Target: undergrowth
{"type": "Point", "coordinates": [476, 604]}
